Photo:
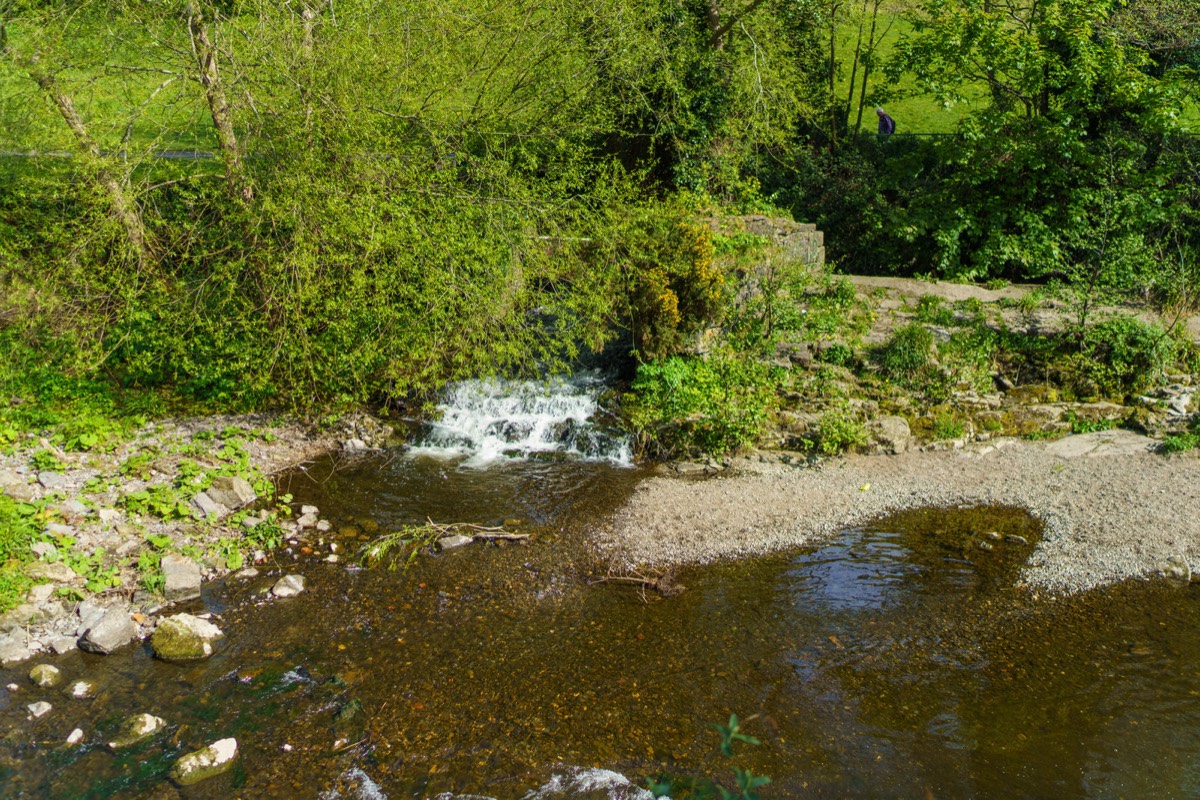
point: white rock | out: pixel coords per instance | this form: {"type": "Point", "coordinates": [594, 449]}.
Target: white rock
{"type": "Point", "coordinates": [309, 510]}
{"type": "Point", "coordinates": [452, 542]}
{"type": "Point", "coordinates": [205, 763]}
{"type": "Point", "coordinates": [75, 737]}
{"type": "Point", "coordinates": [307, 520]}
{"type": "Point", "coordinates": [39, 709]}
{"type": "Point", "coordinates": [81, 689]}
{"type": "Point", "coordinates": [324, 525]}
{"type": "Point", "coordinates": [288, 586]}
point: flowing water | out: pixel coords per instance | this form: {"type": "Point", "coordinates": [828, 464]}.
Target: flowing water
{"type": "Point", "coordinates": [895, 660]}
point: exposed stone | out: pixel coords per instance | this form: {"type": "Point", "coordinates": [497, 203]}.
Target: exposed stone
{"type": "Point", "coordinates": [136, 729]}
{"type": "Point", "coordinates": [594, 784]}
{"type": "Point", "coordinates": [53, 480]}
{"type": "Point", "coordinates": [74, 507]}
{"type": "Point", "coordinates": [184, 637]}
{"type": "Point", "coordinates": [75, 737]}
{"type": "Point", "coordinates": [80, 689]}
{"type": "Point", "coordinates": [891, 435]}
{"type": "Point", "coordinates": [61, 645]}
{"type": "Point", "coordinates": [205, 763]}
{"type": "Point", "coordinates": [56, 572]}
{"type": "Point", "coordinates": [246, 574]}
{"type": "Point", "coordinates": [309, 510]}
{"type": "Point", "coordinates": [209, 507]}
{"type": "Point", "coordinates": [324, 525]}
{"type": "Point", "coordinates": [10, 477]}
{"type": "Point", "coordinates": [114, 630]}
{"type": "Point", "coordinates": [45, 550]}
{"type": "Point", "coordinates": [453, 542]}
{"type": "Point", "coordinates": [232, 491]}
{"type": "Point", "coordinates": [26, 493]}
{"type": "Point", "coordinates": [354, 445]}
{"type": "Point", "coordinates": [182, 577]}
{"type": "Point", "coordinates": [288, 586]}
{"type": "Point", "coordinates": [307, 520]}
{"type": "Point", "coordinates": [1176, 569]}
{"type": "Point", "coordinates": [14, 647]}
{"type": "Point", "coordinates": [250, 523]}
{"type": "Point", "coordinates": [57, 529]}
{"type": "Point", "coordinates": [42, 597]}
{"type": "Point", "coordinates": [45, 675]}
{"type": "Point", "coordinates": [108, 515]}
{"type": "Point", "coordinates": [39, 709]}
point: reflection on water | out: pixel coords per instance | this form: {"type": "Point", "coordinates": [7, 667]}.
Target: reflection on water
{"type": "Point", "coordinates": [897, 660]}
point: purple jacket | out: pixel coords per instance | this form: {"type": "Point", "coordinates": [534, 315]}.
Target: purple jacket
{"type": "Point", "coordinates": [887, 125]}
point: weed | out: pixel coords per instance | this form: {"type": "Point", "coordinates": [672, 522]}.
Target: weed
{"type": "Point", "coordinates": [931, 309]}
{"type": "Point", "coordinates": [945, 426]}
{"type": "Point", "coordinates": [909, 350]}
{"type": "Point", "coordinates": [46, 461]}
{"type": "Point", "coordinates": [97, 575]}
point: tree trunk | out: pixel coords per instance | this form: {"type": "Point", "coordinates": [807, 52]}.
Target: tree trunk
{"type": "Point", "coordinates": [206, 55]}
{"type": "Point", "coordinates": [868, 58]}
{"type": "Point", "coordinates": [123, 206]}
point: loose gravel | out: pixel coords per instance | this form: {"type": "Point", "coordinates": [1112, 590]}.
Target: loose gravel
{"type": "Point", "coordinates": [1111, 509]}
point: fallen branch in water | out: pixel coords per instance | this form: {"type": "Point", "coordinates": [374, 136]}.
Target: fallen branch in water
{"type": "Point", "coordinates": [660, 581]}
{"type": "Point", "coordinates": [406, 544]}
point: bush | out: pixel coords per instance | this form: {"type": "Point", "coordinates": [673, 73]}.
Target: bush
{"type": "Point", "coordinates": [909, 350]}
{"type": "Point", "coordinates": [839, 430]}
{"type": "Point", "coordinates": [1120, 356]}
{"type": "Point", "coordinates": [689, 406]}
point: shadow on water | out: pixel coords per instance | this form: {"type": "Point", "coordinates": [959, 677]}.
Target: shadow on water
{"type": "Point", "coordinates": [900, 660]}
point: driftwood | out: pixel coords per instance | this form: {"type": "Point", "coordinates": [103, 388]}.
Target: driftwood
{"type": "Point", "coordinates": [660, 581]}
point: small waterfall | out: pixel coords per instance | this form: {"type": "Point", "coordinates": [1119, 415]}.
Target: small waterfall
{"type": "Point", "coordinates": [485, 421]}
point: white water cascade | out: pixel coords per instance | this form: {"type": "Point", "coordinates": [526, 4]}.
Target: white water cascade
{"type": "Point", "coordinates": [486, 421]}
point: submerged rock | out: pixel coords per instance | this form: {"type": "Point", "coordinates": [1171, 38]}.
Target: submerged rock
{"type": "Point", "coordinates": [592, 784]}
{"type": "Point", "coordinates": [454, 542]}
{"type": "Point", "coordinates": [39, 709]}
{"type": "Point", "coordinates": [80, 689]}
{"type": "Point", "coordinates": [205, 763]}
{"type": "Point", "coordinates": [75, 737]}
{"type": "Point", "coordinates": [184, 637]}
{"type": "Point", "coordinates": [136, 729]}
{"type": "Point", "coordinates": [45, 675]}
{"type": "Point", "coordinates": [288, 586]}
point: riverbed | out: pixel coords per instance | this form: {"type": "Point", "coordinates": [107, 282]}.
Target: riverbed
{"type": "Point", "coordinates": [896, 657]}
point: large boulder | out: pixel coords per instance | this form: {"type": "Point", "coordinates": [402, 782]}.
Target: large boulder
{"type": "Point", "coordinates": [205, 763]}
{"type": "Point", "coordinates": [45, 675]}
{"type": "Point", "coordinates": [182, 577]}
{"type": "Point", "coordinates": [184, 638]}
{"type": "Point", "coordinates": [890, 435]}
{"type": "Point", "coordinates": [113, 630]}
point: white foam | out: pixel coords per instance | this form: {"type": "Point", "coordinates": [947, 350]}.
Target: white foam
{"type": "Point", "coordinates": [482, 422]}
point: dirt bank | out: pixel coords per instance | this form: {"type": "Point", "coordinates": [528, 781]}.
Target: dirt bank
{"type": "Point", "coordinates": [1112, 508]}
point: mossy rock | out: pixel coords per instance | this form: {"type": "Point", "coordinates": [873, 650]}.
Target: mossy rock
{"type": "Point", "coordinates": [184, 638]}
{"type": "Point", "coordinates": [136, 729]}
{"type": "Point", "coordinates": [205, 763]}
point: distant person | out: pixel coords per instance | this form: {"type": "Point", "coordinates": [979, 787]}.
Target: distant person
{"type": "Point", "coordinates": [887, 125]}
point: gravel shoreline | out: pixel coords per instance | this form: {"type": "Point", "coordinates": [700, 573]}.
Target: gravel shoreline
{"type": "Point", "coordinates": [1112, 509]}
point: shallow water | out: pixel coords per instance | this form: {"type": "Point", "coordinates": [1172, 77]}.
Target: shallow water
{"type": "Point", "coordinates": [897, 660]}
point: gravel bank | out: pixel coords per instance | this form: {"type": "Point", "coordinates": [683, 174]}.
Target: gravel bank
{"type": "Point", "coordinates": [1111, 508]}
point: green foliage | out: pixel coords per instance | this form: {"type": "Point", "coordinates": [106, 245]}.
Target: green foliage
{"type": "Point", "coordinates": [164, 502]}
{"type": "Point", "coordinates": [908, 351]}
{"type": "Point", "coordinates": [1120, 356]}
{"type": "Point", "coordinates": [97, 572]}
{"type": "Point", "coordinates": [746, 783]}
{"type": "Point", "coordinates": [690, 406]}
{"type": "Point", "coordinates": [46, 461]}
{"type": "Point", "coordinates": [19, 528]}
{"type": "Point", "coordinates": [946, 426]}
{"type": "Point", "coordinates": [932, 309]}
{"type": "Point", "coordinates": [839, 430]}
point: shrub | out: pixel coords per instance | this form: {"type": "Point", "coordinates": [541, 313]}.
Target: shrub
{"type": "Point", "coordinates": [839, 430]}
{"type": "Point", "coordinates": [1120, 356]}
{"type": "Point", "coordinates": [687, 406]}
{"type": "Point", "coordinates": [945, 426]}
{"type": "Point", "coordinates": [909, 350]}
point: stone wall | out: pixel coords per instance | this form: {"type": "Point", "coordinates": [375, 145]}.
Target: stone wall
{"type": "Point", "coordinates": [801, 239]}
